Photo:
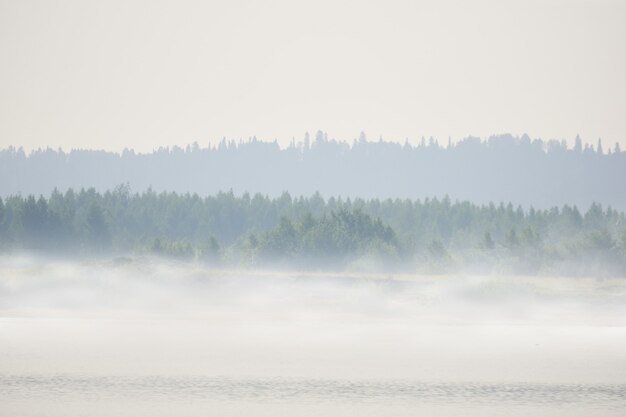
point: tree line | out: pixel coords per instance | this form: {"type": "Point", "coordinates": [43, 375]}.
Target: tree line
{"type": "Point", "coordinates": [428, 235]}
{"type": "Point", "coordinates": [541, 173]}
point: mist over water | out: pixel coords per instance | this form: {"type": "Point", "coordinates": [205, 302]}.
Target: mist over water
{"type": "Point", "coordinates": [150, 337]}
{"type": "Point", "coordinates": [246, 209]}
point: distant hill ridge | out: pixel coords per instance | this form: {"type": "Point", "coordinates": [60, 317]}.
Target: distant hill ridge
{"type": "Point", "coordinates": [530, 172]}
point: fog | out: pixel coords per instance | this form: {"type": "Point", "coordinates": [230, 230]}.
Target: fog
{"type": "Point", "coordinates": [381, 208]}
{"type": "Point", "coordinates": [157, 73]}
{"type": "Point", "coordinates": [129, 334]}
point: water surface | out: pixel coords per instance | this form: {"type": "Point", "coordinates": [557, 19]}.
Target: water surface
{"type": "Point", "coordinates": [148, 338]}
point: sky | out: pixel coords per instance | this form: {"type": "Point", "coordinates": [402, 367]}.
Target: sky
{"type": "Point", "coordinates": [144, 74]}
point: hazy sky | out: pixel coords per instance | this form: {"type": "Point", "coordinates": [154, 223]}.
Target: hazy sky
{"type": "Point", "coordinates": [141, 74]}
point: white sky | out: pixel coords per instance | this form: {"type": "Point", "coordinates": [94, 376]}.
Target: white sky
{"type": "Point", "coordinates": [144, 74]}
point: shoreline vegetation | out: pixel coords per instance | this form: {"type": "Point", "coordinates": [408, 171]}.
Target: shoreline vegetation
{"type": "Point", "coordinates": [200, 269]}
{"type": "Point", "coordinates": [430, 236]}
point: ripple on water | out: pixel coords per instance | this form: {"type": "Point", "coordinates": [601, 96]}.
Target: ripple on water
{"type": "Point", "coordinates": [182, 388]}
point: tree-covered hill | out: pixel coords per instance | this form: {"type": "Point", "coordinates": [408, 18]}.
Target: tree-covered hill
{"type": "Point", "coordinates": [313, 232]}
{"type": "Point", "coordinates": [502, 168]}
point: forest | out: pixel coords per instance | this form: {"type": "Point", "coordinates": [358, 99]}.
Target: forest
{"type": "Point", "coordinates": [520, 170]}
{"type": "Point", "coordinates": [432, 235]}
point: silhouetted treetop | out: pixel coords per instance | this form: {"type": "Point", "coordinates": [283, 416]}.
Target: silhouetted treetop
{"type": "Point", "coordinates": [501, 168]}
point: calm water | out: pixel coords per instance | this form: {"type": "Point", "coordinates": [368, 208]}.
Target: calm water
{"type": "Point", "coordinates": [157, 339]}
{"type": "Point", "coordinates": [243, 396]}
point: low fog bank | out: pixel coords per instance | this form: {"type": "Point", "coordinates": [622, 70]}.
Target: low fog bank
{"type": "Point", "coordinates": [157, 286]}
{"type": "Point", "coordinates": [150, 317]}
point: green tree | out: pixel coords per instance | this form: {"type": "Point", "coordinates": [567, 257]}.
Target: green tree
{"type": "Point", "coordinates": [210, 251]}
{"type": "Point", "coordinates": [487, 242]}
{"type": "Point", "coordinates": [97, 230]}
